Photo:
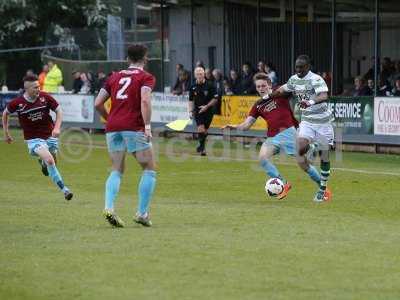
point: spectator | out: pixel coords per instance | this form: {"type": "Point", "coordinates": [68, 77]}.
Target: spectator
{"type": "Point", "coordinates": [396, 73]}
{"type": "Point", "coordinates": [99, 83]}
{"type": "Point", "coordinates": [218, 81]}
{"type": "Point", "coordinates": [42, 76]}
{"type": "Point", "coordinates": [360, 89]}
{"type": "Point", "coordinates": [246, 82]}
{"type": "Point", "coordinates": [371, 72]}
{"type": "Point", "coordinates": [178, 69]}
{"type": "Point", "coordinates": [396, 89]}
{"type": "Point", "coordinates": [384, 88]}
{"type": "Point", "coordinates": [219, 88]}
{"type": "Point", "coordinates": [209, 76]}
{"type": "Point", "coordinates": [234, 82]}
{"type": "Point", "coordinates": [387, 69]}
{"type": "Point", "coordinates": [227, 88]}
{"type": "Point", "coordinates": [183, 84]}
{"type": "Point", "coordinates": [91, 79]}
{"type": "Point", "coordinates": [53, 78]}
{"type": "Point", "coordinates": [270, 70]}
{"type": "Point", "coordinates": [85, 89]}
{"type": "Point", "coordinates": [77, 84]}
{"type": "Point", "coordinates": [371, 84]}
{"type": "Point", "coordinates": [261, 67]}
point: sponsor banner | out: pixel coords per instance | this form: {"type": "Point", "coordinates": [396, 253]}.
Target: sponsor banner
{"type": "Point", "coordinates": [354, 115]}
{"type": "Point", "coordinates": [234, 110]}
{"type": "Point", "coordinates": [387, 116]}
{"type": "Point", "coordinates": [76, 108]}
{"type": "Point", "coordinates": [167, 108]}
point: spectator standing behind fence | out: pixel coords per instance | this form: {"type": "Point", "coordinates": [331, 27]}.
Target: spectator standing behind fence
{"type": "Point", "coordinates": [246, 82]}
{"type": "Point", "coordinates": [371, 85]}
{"type": "Point", "coordinates": [360, 89]}
{"type": "Point", "coordinates": [270, 70]}
{"type": "Point", "coordinates": [99, 82]}
{"type": "Point", "coordinates": [261, 67]}
{"type": "Point", "coordinates": [396, 89]}
{"type": "Point", "coordinates": [85, 89]}
{"type": "Point", "coordinates": [396, 73]}
{"type": "Point", "coordinates": [42, 76]}
{"type": "Point", "coordinates": [387, 69]}
{"type": "Point", "coordinates": [208, 75]}
{"type": "Point", "coordinates": [234, 82]}
{"type": "Point", "coordinates": [219, 88]}
{"type": "Point", "coordinates": [384, 88]}
{"type": "Point", "coordinates": [178, 68]}
{"type": "Point", "coordinates": [183, 84]}
{"type": "Point", "coordinates": [53, 78]}
{"type": "Point", "coordinates": [227, 88]}
{"type": "Point", "coordinates": [77, 83]}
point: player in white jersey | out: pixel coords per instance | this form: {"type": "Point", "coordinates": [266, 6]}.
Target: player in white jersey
{"type": "Point", "coordinates": [311, 93]}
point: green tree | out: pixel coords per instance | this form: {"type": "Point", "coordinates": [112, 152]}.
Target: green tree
{"type": "Point", "coordinates": [25, 23]}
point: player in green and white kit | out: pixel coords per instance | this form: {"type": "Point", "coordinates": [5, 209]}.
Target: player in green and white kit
{"type": "Point", "coordinates": [311, 93]}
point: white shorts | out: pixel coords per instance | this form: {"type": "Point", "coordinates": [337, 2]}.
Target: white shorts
{"type": "Point", "coordinates": [322, 134]}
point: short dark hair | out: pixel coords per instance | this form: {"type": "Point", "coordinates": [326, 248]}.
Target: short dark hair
{"type": "Point", "coordinates": [304, 57]}
{"type": "Point", "coordinates": [30, 78]}
{"type": "Point", "coordinates": [136, 52]}
{"type": "Point", "coordinates": [262, 76]}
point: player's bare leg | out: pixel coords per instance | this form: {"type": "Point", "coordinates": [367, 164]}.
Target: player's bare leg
{"type": "Point", "coordinates": [112, 187]}
{"type": "Point", "coordinates": [146, 185]}
{"type": "Point", "coordinates": [202, 132]}
{"type": "Point", "coordinates": [44, 166]}
{"type": "Point", "coordinates": [53, 172]}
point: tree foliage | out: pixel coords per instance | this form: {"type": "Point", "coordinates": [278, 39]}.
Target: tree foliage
{"type": "Point", "coordinates": [26, 22]}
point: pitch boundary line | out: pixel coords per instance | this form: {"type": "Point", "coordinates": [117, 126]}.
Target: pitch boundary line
{"type": "Point", "coordinates": [222, 158]}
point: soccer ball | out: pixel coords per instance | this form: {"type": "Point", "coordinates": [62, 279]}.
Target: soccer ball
{"type": "Point", "coordinates": [274, 186]}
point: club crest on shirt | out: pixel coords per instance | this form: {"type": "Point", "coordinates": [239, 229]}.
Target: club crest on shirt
{"type": "Point", "coordinates": [42, 99]}
{"type": "Point", "coordinates": [205, 93]}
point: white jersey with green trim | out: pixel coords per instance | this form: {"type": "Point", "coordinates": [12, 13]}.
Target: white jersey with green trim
{"type": "Point", "coordinates": [307, 88]}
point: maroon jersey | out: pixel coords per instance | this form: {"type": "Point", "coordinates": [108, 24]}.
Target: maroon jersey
{"type": "Point", "coordinates": [276, 112]}
{"type": "Point", "coordinates": [34, 117]}
{"type": "Point", "coordinates": [124, 87]}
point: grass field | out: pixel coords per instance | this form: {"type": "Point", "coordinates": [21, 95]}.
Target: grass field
{"type": "Point", "coordinates": [215, 236]}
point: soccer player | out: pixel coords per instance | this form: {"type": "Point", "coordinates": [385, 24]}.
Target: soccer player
{"type": "Point", "coordinates": [40, 133]}
{"type": "Point", "coordinates": [128, 129]}
{"type": "Point", "coordinates": [281, 132]}
{"type": "Point", "coordinates": [202, 99]}
{"type": "Point", "coordinates": [311, 92]}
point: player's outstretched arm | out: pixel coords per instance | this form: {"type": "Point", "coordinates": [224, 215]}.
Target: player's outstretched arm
{"type": "Point", "coordinates": [7, 137]}
{"type": "Point", "coordinates": [281, 92]}
{"type": "Point", "coordinates": [99, 103]}
{"type": "Point", "coordinates": [246, 125]}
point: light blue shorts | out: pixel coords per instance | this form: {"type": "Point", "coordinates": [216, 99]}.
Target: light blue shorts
{"type": "Point", "coordinates": [130, 141]}
{"type": "Point", "coordinates": [285, 140]}
{"type": "Point", "coordinates": [51, 143]}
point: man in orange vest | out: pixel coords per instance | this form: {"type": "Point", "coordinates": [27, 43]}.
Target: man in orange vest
{"type": "Point", "coordinates": [42, 76]}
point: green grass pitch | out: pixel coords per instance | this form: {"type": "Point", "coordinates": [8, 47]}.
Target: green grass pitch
{"type": "Point", "coordinates": [215, 236]}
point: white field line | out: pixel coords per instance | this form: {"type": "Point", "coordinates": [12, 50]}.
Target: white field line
{"type": "Point", "coordinates": [222, 158]}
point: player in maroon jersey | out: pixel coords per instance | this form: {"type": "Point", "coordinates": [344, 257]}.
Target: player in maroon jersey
{"type": "Point", "coordinates": [128, 129]}
{"type": "Point", "coordinates": [281, 132]}
{"type": "Point", "coordinates": [40, 133]}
